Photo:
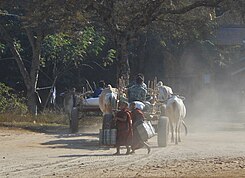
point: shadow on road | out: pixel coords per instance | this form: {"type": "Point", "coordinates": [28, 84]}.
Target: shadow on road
{"type": "Point", "coordinates": [88, 141]}
{"type": "Point", "coordinates": [69, 135]}
{"type": "Point", "coordinates": [87, 155]}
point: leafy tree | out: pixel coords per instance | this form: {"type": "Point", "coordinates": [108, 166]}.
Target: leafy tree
{"type": "Point", "coordinates": [34, 20]}
{"type": "Point", "coordinates": [173, 33]}
{"type": "Point", "coordinates": [231, 14]}
{"type": "Point", "coordinates": [125, 19]}
{"type": "Point", "coordinates": [65, 51]}
{"type": "Point", "coordinates": [231, 11]}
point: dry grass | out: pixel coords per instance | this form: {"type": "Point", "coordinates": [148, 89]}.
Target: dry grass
{"type": "Point", "coordinates": [46, 118]}
{"type": "Point", "coordinates": [46, 121]}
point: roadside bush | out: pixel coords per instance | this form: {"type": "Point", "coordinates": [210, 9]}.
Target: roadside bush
{"type": "Point", "coordinates": [10, 102]}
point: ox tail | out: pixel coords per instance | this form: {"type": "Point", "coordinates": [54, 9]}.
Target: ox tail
{"type": "Point", "coordinates": [183, 122]}
{"type": "Point", "coordinates": [174, 106]}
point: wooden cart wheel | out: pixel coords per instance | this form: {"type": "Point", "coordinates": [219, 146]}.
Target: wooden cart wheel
{"type": "Point", "coordinates": [162, 131]}
{"type": "Point", "coordinates": [74, 120]}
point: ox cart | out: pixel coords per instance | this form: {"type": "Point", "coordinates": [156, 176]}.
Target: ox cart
{"type": "Point", "coordinates": [157, 119]}
{"type": "Point", "coordinates": [84, 107]}
{"type": "Point", "coordinates": [154, 114]}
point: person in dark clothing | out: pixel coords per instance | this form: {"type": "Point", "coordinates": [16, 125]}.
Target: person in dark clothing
{"type": "Point", "coordinates": [137, 92]}
{"type": "Point", "coordinates": [124, 127]}
{"type": "Point", "coordinates": [137, 118]}
{"type": "Point", "coordinates": [98, 90]}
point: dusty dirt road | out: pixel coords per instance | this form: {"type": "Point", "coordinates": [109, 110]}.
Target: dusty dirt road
{"type": "Point", "coordinates": [202, 153]}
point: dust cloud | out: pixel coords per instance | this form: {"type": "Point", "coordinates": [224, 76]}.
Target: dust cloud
{"type": "Point", "coordinates": [215, 108]}
{"type": "Point", "coordinates": [91, 124]}
{"type": "Point", "coordinates": [215, 98]}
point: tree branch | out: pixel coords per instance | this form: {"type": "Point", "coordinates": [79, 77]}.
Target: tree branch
{"type": "Point", "coordinates": [35, 66]}
{"type": "Point", "coordinates": [30, 37]}
{"type": "Point", "coordinates": [106, 13]}
{"type": "Point", "coordinates": [200, 3]}
{"type": "Point", "coordinates": [6, 37]}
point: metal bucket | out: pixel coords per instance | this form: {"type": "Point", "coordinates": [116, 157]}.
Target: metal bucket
{"type": "Point", "coordinates": [107, 137]}
{"type": "Point", "coordinates": [113, 136]}
{"type": "Point", "coordinates": [145, 130]}
{"type": "Point", "coordinates": [101, 137]}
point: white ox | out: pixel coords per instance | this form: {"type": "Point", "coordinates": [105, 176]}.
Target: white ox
{"type": "Point", "coordinates": [108, 100]}
{"type": "Point", "coordinates": [164, 92]}
{"type": "Point", "coordinates": [176, 112]}
{"type": "Point", "coordinates": [71, 99]}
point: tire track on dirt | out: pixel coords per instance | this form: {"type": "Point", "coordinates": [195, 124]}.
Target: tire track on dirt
{"type": "Point", "coordinates": [102, 168]}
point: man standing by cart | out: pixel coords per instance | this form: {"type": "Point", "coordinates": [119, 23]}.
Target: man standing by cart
{"type": "Point", "coordinates": [124, 127]}
{"type": "Point", "coordinates": [137, 118]}
{"type": "Point", "coordinates": [137, 92]}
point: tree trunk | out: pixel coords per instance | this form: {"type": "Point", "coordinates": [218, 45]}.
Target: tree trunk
{"type": "Point", "coordinates": [30, 79]}
{"type": "Point", "coordinates": [123, 68]}
{"type": "Point", "coordinates": [34, 73]}
{"type": "Point", "coordinates": [142, 54]}
{"type": "Point", "coordinates": [31, 101]}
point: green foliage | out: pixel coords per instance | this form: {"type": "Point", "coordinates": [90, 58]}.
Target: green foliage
{"type": "Point", "coordinates": [68, 48]}
{"type": "Point", "coordinates": [180, 30]}
{"type": "Point", "coordinates": [2, 48]}
{"type": "Point", "coordinates": [111, 55]}
{"type": "Point", "coordinates": [18, 45]}
{"type": "Point", "coordinates": [10, 102]}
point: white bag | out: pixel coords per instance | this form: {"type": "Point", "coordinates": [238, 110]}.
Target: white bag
{"type": "Point", "coordinates": [139, 105]}
{"type": "Point", "coordinates": [146, 130]}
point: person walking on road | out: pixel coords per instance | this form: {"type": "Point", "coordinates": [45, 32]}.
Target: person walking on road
{"type": "Point", "coordinates": [137, 118]}
{"type": "Point", "coordinates": [124, 127]}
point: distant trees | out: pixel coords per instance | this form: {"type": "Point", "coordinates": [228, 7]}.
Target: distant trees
{"type": "Point", "coordinates": [23, 27]}
{"type": "Point", "coordinates": [232, 14]}
{"type": "Point", "coordinates": [232, 10]}
{"type": "Point", "coordinates": [125, 19]}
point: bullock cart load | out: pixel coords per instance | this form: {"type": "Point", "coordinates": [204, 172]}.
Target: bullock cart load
{"type": "Point", "coordinates": [155, 120]}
